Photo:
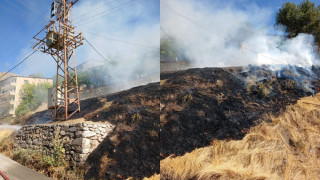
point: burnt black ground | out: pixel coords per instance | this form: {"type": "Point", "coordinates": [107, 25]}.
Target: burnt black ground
{"type": "Point", "coordinates": [200, 105]}
{"type": "Point", "coordinates": [132, 148]}
{"type": "Point", "coordinates": [196, 107]}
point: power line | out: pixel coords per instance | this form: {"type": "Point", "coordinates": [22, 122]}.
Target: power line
{"type": "Point", "coordinates": [91, 11]}
{"type": "Point", "coordinates": [14, 42]}
{"type": "Point", "coordinates": [18, 64]}
{"type": "Point", "coordinates": [105, 15]}
{"type": "Point", "coordinates": [165, 32]}
{"type": "Point", "coordinates": [31, 63]}
{"type": "Point", "coordinates": [205, 28]}
{"type": "Point", "coordinates": [188, 19]}
{"type": "Point", "coordinates": [113, 39]}
{"type": "Point", "coordinates": [98, 52]}
{"type": "Point", "coordinates": [104, 12]}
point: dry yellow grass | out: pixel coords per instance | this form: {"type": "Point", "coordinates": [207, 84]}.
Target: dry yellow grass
{"type": "Point", "coordinates": [287, 148]}
{"type": "Point", "coordinates": [4, 133]}
{"type": "Point", "coordinates": [154, 177]}
{"type": "Point", "coordinates": [162, 82]}
{"type": "Point", "coordinates": [6, 142]}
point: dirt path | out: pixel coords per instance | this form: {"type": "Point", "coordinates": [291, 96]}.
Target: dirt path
{"type": "Point", "coordinates": [15, 171]}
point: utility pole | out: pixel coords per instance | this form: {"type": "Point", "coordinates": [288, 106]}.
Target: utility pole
{"type": "Point", "coordinates": [59, 40]}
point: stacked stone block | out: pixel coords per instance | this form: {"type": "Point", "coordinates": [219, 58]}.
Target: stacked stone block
{"type": "Point", "coordinates": [78, 140]}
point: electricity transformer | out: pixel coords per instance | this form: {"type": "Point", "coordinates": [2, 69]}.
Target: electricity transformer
{"type": "Point", "coordinates": [60, 40]}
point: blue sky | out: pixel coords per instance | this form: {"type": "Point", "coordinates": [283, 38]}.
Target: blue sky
{"type": "Point", "coordinates": [21, 20]}
{"type": "Point", "coordinates": [272, 5]}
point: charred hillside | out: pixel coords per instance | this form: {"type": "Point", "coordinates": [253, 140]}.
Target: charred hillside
{"type": "Point", "coordinates": [131, 149]}
{"type": "Point", "coordinates": [199, 105]}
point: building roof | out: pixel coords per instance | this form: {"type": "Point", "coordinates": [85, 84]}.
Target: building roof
{"type": "Point", "coordinates": [6, 76]}
{"type": "Point", "coordinates": [10, 75]}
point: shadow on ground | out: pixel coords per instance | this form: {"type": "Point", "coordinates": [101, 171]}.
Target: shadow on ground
{"type": "Point", "coordinates": [132, 148]}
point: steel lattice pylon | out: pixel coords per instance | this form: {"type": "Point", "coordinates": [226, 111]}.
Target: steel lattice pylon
{"type": "Point", "coordinates": [59, 40]}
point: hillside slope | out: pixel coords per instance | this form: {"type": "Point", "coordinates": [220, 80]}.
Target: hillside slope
{"type": "Point", "coordinates": [288, 147]}
{"type": "Point", "coordinates": [199, 105]}
{"type": "Point", "coordinates": [132, 148]}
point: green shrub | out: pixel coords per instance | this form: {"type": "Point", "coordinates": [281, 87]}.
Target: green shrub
{"type": "Point", "coordinates": [53, 165]}
{"type": "Point", "coordinates": [136, 117]}
{"type": "Point", "coordinates": [187, 98]}
{"type": "Point", "coordinates": [57, 157]}
{"type": "Point", "coordinates": [32, 97]}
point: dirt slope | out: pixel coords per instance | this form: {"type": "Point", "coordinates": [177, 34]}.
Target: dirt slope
{"type": "Point", "coordinates": [132, 148]}
{"type": "Point", "coordinates": [199, 105]}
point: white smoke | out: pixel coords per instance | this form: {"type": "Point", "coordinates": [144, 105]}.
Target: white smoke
{"type": "Point", "coordinates": [220, 35]}
{"type": "Point", "coordinates": [134, 23]}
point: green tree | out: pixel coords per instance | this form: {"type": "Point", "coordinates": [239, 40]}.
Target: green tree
{"type": "Point", "coordinates": [32, 96]}
{"type": "Point", "coordinates": [302, 18]}
{"type": "Point", "coordinates": [84, 79]}
{"type": "Point", "coordinates": [168, 49]}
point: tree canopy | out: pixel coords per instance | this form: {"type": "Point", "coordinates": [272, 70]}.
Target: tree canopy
{"type": "Point", "coordinates": [302, 18]}
{"type": "Point", "coordinates": [32, 97]}
{"type": "Point", "coordinates": [168, 49]}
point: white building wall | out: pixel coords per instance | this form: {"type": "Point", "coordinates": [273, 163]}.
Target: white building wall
{"type": "Point", "coordinates": [10, 90]}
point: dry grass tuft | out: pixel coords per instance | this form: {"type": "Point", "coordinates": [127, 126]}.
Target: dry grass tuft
{"type": "Point", "coordinates": [286, 148]}
{"type": "Point", "coordinates": [6, 142]}
{"type": "Point", "coordinates": [154, 177]}
{"type": "Point", "coordinates": [34, 159]}
{"type": "Point", "coordinates": [4, 133]}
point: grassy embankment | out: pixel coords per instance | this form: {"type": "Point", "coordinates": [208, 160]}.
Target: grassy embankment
{"type": "Point", "coordinates": [286, 148]}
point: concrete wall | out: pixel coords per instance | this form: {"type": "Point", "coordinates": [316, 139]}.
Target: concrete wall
{"type": "Point", "coordinates": [78, 140]}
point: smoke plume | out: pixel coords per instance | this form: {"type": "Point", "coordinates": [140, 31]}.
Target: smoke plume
{"type": "Point", "coordinates": [125, 34]}
{"type": "Point", "coordinates": [220, 35]}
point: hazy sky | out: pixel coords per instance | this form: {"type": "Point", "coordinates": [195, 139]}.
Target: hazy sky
{"type": "Point", "coordinates": [137, 22]}
{"type": "Point", "coordinates": [133, 21]}
{"type": "Point", "coordinates": [223, 33]}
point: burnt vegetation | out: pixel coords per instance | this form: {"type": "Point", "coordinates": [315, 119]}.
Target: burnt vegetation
{"type": "Point", "coordinates": [200, 105]}
{"type": "Point", "coordinates": [131, 149]}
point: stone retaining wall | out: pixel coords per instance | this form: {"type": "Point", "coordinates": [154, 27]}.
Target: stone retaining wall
{"type": "Point", "coordinates": [78, 140]}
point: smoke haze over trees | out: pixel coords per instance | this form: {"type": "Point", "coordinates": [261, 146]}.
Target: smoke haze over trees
{"type": "Point", "coordinates": [220, 35]}
{"type": "Point", "coordinates": [32, 97]}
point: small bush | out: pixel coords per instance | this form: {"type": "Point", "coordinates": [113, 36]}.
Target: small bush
{"type": "Point", "coordinates": [35, 160]}
{"type": "Point", "coordinates": [136, 117]}
{"type": "Point", "coordinates": [57, 158]}
{"type": "Point", "coordinates": [259, 89]}
{"type": "Point", "coordinates": [52, 165]}
{"type": "Point", "coordinates": [290, 84]}
{"type": "Point", "coordinates": [187, 98]}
